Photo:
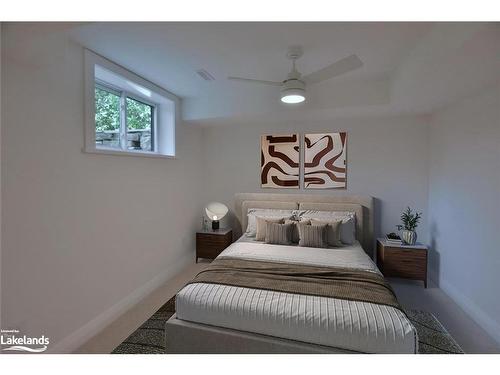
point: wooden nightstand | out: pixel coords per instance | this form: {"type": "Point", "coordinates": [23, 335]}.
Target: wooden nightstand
{"type": "Point", "coordinates": [210, 243]}
{"type": "Point", "coordinates": [408, 262]}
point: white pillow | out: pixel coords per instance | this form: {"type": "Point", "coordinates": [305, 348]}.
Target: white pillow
{"type": "Point", "coordinates": [310, 214]}
{"type": "Point", "coordinates": [347, 228]}
{"type": "Point", "coordinates": [266, 213]}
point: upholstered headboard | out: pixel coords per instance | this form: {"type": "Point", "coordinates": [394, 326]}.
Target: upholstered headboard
{"type": "Point", "coordinates": [361, 205]}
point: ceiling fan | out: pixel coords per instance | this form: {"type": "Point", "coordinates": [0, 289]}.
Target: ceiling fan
{"type": "Point", "coordinates": [293, 88]}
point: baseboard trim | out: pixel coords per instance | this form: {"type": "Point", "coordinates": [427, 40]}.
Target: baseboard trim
{"type": "Point", "coordinates": [472, 309]}
{"type": "Point", "coordinates": [79, 337]}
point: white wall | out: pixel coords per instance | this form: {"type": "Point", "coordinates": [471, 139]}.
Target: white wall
{"type": "Point", "coordinates": [464, 205]}
{"type": "Point", "coordinates": [84, 235]}
{"type": "Point", "coordinates": [387, 159]}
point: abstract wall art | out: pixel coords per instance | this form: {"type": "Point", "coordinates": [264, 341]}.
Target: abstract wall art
{"type": "Point", "coordinates": [280, 155]}
{"type": "Point", "coordinates": [325, 161]}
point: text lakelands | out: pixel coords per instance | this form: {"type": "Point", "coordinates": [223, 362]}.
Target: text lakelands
{"type": "Point", "coordinates": [23, 340]}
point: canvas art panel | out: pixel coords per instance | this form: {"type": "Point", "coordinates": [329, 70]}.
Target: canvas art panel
{"type": "Point", "coordinates": [280, 155]}
{"type": "Point", "coordinates": [325, 161]}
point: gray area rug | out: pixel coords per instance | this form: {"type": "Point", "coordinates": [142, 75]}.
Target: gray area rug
{"type": "Point", "coordinates": [149, 338]}
{"type": "Point", "coordinates": [433, 338]}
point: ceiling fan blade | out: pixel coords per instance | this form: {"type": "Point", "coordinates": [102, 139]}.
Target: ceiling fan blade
{"type": "Point", "coordinates": [337, 68]}
{"type": "Point", "coordinates": [271, 83]}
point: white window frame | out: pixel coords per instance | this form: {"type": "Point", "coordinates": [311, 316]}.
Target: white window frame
{"type": "Point", "coordinates": [166, 110]}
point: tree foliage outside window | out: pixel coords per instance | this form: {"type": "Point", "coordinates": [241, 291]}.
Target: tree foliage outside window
{"type": "Point", "coordinates": [138, 115]}
{"type": "Point", "coordinates": [107, 112]}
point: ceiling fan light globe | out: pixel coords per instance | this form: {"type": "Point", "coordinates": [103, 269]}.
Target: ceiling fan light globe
{"type": "Point", "coordinates": [293, 99]}
{"type": "Point", "coordinates": [293, 96]}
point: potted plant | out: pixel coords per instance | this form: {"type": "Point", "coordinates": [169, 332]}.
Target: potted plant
{"type": "Point", "coordinates": [410, 222]}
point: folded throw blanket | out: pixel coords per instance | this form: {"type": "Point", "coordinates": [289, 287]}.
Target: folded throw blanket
{"type": "Point", "coordinates": [333, 282]}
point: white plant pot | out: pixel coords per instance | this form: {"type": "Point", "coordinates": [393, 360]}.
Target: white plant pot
{"type": "Point", "coordinates": [409, 237]}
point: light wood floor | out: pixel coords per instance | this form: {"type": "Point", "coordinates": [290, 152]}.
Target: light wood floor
{"type": "Point", "coordinates": [471, 337]}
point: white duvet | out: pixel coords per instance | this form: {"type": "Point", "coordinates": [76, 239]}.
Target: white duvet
{"type": "Point", "coordinates": [359, 326]}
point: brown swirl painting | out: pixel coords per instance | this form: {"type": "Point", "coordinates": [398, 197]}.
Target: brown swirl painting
{"type": "Point", "coordinates": [325, 163]}
{"type": "Point", "coordinates": [279, 161]}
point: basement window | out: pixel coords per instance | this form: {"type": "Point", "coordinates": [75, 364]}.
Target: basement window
{"type": "Point", "coordinates": [123, 122]}
{"type": "Point", "coordinates": [125, 114]}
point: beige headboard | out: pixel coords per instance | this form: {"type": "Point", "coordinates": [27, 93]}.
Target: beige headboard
{"type": "Point", "coordinates": [362, 205]}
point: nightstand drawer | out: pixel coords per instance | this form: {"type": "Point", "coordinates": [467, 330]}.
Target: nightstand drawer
{"type": "Point", "coordinates": [410, 263]}
{"type": "Point", "coordinates": [404, 263]}
{"type": "Point", "coordinates": [407, 269]}
{"type": "Point", "coordinates": [207, 240]}
{"type": "Point", "coordinates": [210, 244]}
{"type": "Point", "coordinates": [405, 254]}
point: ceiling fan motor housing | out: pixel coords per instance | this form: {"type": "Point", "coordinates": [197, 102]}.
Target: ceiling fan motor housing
{"type": "Point", "coordinates": [293, 84]}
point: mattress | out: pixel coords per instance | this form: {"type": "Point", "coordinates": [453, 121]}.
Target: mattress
{"type": "Point", "coordinates": [351, 325]}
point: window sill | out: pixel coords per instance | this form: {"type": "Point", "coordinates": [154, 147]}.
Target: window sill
{"type": "Point", "coordinates": [144, 154]}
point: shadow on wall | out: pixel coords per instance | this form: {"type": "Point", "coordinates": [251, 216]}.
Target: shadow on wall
{"type": "Point", "coordinates": [434, 256]}
{"type": "Point", "coordinates": [234, 223]}
{"type": "Point", "coordinates": [377, 219]}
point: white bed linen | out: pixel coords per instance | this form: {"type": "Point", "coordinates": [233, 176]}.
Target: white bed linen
{"type": "Point", "coordinates": [359, 326]}
{"type": "Point", "coordinates": [351, 256]}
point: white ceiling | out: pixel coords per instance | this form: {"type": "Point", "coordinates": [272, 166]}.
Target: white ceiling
{"type": "Point", "coordinates": [408, 67]}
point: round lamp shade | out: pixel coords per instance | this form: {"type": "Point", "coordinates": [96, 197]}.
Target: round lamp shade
{"type": "Point", "coordinates": [216, 210]}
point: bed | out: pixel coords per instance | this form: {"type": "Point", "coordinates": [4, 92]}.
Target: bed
{"type": "Point", "coordinates": [220, 318]}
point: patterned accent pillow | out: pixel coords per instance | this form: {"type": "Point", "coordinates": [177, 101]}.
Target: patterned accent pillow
{"type": "Point", "coordinates": [253, 213]}
{"type": "Point", "coordinates": [295, 228]}
{"type": "Point", "coordinates": [310, 214]}
{"type": "Point", "coordinates": [313, 236]}
{"type": "Point", "coordinates": [332, 230]}
{"type": "Point", "coordinates": [279, 234]}
{"type": "Point", "coordinates": [261, 226]}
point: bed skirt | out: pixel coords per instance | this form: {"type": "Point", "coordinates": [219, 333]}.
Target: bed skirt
{"type": "Point", "coordinates": [183, 337]}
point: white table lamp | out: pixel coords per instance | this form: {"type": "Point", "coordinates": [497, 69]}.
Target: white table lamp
{"type": "Point", "coordinates": [216, 211]}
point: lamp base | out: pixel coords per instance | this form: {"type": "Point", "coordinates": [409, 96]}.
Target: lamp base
{"type": "Point", "coordinates": [215, 224]}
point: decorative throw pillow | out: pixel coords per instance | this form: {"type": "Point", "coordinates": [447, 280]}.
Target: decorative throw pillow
{"type": "Point", "coordinates": [315, 214]}
{"type": "Point", "coordinates": [253, 213]}
{"type": "Point", "coordinates": [295, 228]}
{"type": "Point", "coordinates": [332, 230]}
{"type": "Point", "coordinates": [279, 234]}
{"type": "Point", "coordinates": [313, 236]}
{"type": "Point", "coordinates": [347, 228]}
{"type": "Point", "coordinates": [261, 226]}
